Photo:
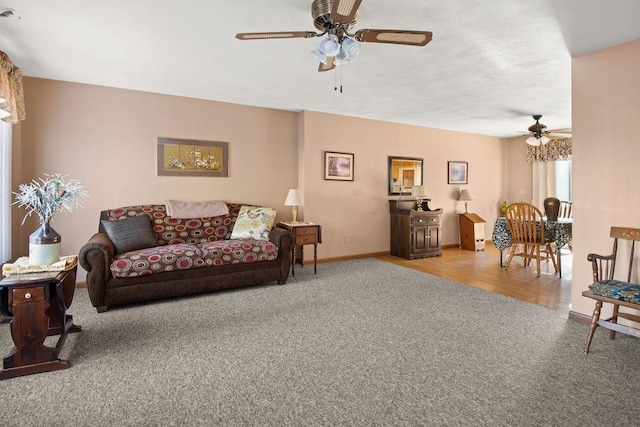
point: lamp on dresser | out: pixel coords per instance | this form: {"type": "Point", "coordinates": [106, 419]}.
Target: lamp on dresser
{"type": "Point", "coordinates": [419, 192]}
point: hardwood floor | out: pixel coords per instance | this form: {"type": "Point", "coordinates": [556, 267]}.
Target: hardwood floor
{"type": "Point", "coordinates": [482, 269]}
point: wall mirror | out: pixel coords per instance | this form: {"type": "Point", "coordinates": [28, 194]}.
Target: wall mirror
{"type": "Point", "coordinates": [404, 173]}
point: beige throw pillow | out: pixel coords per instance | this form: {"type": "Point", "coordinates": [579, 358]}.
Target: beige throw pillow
{"type": "Point", "coordinates": [254, 222]}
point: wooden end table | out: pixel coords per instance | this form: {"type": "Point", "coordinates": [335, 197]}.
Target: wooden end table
{"type": "Point", "coordinates": [303, 233]}
{"type": "Point", "coordinates": [37, 305]}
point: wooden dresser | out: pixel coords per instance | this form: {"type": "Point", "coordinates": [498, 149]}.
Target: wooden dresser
{"type": "Point", "coordinates": [414, 234]}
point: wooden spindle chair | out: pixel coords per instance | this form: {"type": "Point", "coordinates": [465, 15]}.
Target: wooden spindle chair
{"type": "Point", "coordinates": [619, 293]}
{"type": "Point", "coordinates": [526, 224]}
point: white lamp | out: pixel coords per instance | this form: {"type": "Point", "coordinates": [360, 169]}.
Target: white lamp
{"type": "Point", "coordinates": [419, 192]}
{"type": "Point", "coordinates": [294, 199]}
{"type": "Point", "coordinates": [465, 196]}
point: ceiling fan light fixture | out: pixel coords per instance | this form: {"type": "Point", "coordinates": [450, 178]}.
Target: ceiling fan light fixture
{"type": "Point", "coordinates": [319, 55]}
{"type": "Point", "coordinates": [533, 141]}
{"type": "Point", "coordinates": [351, 46]}
{"type": "Point", "coordinates": [543, 140]}
{"type": "Point", "coordinates": [330, 45]}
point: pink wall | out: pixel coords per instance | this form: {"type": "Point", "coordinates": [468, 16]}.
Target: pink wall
{"type": "Point", "coordinates": [360, 208]}
{"type": "Point", "coordinates": [606, 150]}
{"type": "Point", "coordinates": [107, 138]}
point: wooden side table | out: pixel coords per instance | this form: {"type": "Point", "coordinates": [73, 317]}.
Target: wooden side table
{"type": "Point", "coordinates": [37, 304]}
{"type": "Point", "coordinates": [303, 233]}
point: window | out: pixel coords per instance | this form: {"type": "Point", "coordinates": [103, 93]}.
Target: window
{"type": "Point", "coordinates": [5, 191]}
{"type": "Point", "coordinates": [563, 180]}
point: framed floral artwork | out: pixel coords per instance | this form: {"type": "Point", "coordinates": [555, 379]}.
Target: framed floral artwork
{"type": "Point", "coordinates": [338, 166]}
{"type": "Point", "coordinates": [189, 157]}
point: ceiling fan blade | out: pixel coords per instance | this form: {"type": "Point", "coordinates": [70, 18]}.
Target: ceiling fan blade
{"type": "Point", "coordinates": [276, 35]}
{"type": "Point", "coordinates": [408, 37]}
{"type": "Point", "coordinates": [330, 65]}
{"type": "Point", "coordinates": [343, 11]}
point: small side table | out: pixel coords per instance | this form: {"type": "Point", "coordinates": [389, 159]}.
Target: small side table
{"type": "Point", "coordinates": [37, 304]}
{"type": "Point", "coordinates": [303, 233]}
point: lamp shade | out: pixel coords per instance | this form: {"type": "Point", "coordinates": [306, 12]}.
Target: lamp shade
{"type": "Point", "coordinates": [465, 195]}
{"type": "Point", "coordinates": [293, 198]}
{"type": "Point", "coordinates": [532, 140]}
{"type": "Point", "coordinates": [418, 191]}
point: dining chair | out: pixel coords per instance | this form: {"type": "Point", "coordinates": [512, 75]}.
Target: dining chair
{"type": "Point", "coordinates": [526, 224]}
{"type": "Point", "coordinates": [565, 210]}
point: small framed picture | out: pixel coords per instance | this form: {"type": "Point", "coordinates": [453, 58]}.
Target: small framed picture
{"type": "Point", "coordinates": [458, 173]}
{"type": "Point", "coordinates": [338, 166]}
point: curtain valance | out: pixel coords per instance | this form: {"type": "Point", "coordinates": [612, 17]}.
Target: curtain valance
{"type": "Point", "coordinates": [11, 94]}
{"type": "Point", "coordinates": [555, 150]}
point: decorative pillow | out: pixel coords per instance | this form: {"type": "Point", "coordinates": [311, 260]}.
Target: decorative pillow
{"type": "Point", "coordinates": [130, 233]}
{"type": "Point", "coordinates": [254, 222]}
{"type": "Point", "coordinates": [617, 290]}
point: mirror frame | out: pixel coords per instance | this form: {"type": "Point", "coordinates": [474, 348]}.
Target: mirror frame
{"type": "Point", "coordinates": [393, 189]}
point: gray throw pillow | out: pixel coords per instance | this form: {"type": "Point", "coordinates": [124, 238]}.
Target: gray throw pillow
{"type": "Point", "coordinates": [130, 234]}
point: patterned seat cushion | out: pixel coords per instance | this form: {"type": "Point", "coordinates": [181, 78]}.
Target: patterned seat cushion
{"type": "Point", "coordinates": [238, 251]}
{"type": "Point", "coordinates": [184, 256]}
{"type": "Point", "coordinates": [616, 289]}
{"type": "Point", "coordinates": [157, 259]}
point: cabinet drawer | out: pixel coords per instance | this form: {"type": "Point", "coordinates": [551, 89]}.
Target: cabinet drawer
{"type": "Point", "coordinates": [26, 295]}
{"type": "Point", "coordinates": [306, 240]}
{"type": "Point", "coordinates": [425, 220]}
{"type": "Point", "coordinates": [306, 231]}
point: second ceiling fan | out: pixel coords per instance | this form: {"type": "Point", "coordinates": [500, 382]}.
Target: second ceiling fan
{"type": "Point", "coordinates": [335, 19]}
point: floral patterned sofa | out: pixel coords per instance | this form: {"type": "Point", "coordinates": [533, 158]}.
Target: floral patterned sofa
{"type": "Point", "coordinates": [141, 253]}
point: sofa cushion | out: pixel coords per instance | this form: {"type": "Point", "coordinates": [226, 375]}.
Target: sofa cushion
{"type": "Point", "coordinates": [254, 222]}
{"type": "Point", "coordinates": [157, 259]}
{"type": "Point", "coordinates": [130, 233]}
{"type": "Point", "coordinates": [238, 251]}
{"type": "Point", "coordinates": [170, 230]}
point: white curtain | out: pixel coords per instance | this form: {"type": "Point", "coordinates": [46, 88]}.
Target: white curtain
{"type": "Point", "coordinates": [5, 192]}
{"type": "Point", "coordinates": [544, 182]}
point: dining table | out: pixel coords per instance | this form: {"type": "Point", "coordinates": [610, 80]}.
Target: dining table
{"type": "Point", "coordinates": [559, 231]}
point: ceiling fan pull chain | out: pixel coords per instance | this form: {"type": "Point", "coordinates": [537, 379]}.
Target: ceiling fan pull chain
{"type": "Point", "coordinates": [340, 79]}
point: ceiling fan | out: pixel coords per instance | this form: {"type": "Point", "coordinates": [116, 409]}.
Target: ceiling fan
{"type": "Point", "coordinates": [540, 134]}
{"type": "Point", "coordinates": [336, 19]}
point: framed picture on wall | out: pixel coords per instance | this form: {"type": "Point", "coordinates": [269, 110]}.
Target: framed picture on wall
{"type": "Point", "coordinates": [458, 172]}
{"type": "Point", "coordinates": [338, 166]}
{"type": "Point", "coordinates": [188, 157]}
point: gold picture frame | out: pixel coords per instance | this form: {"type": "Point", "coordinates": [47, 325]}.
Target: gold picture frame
{"type": "Point", "coordinates": [190, 157]}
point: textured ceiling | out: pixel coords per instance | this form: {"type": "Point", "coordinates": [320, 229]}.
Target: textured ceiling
{"type": "Point", "coordinates": [491, 65]}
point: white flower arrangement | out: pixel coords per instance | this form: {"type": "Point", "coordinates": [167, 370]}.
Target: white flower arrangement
{"type": "Point", "coordinates": [48, 195]}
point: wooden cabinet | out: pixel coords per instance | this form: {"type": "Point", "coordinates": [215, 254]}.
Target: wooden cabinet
{"type": "Point", "coordinates": [414, 234]}
{"type": "Point", "coordinates": [471, 232]}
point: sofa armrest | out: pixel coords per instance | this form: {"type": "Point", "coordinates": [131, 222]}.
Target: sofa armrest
{"type": "Point", "coordinates": [282, 238]}
{"type": "Point", "coordinates": [95, 257]}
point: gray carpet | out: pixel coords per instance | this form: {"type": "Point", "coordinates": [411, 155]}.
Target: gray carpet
{"type": "Point", "coordinates": [361, 343]}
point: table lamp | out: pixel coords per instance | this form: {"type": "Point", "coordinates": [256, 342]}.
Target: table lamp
{"type": "Point", "coordinates": [294, 199]}
{"type": "Point", "coordinates": [465, 196]}
{"type": "Point", "coordinates": [419, 192]}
